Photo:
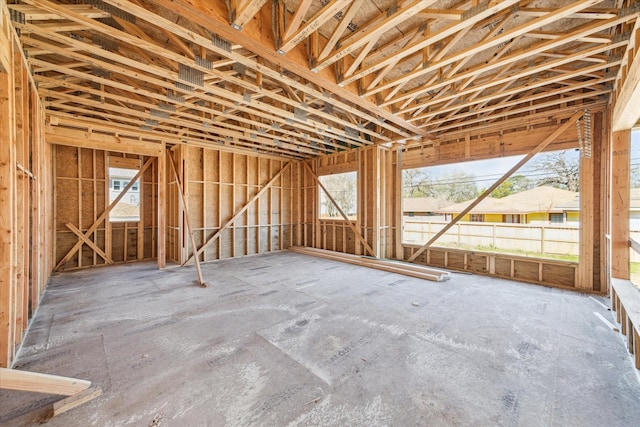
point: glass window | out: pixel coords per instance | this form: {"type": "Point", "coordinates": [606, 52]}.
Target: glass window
{"type": "Point", "coordinates": [511, 219]}
{"type": "Point", "coordinates": [556, 218]}
{"type": "Point", "coordinates": [477, 217]}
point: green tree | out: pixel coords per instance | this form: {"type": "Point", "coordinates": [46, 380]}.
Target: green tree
{"type": "Point", "coordinates": [512, 185]}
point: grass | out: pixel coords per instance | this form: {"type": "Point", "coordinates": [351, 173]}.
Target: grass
{"type": "Point", "coordinates": [491, 248]}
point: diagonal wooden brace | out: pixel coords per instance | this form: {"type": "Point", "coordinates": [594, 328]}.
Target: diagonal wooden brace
{"type": "Point", "coordinates": [90, 243]}
{"type": "Point", "coordinates": [240, 212]}
{"type": "Point", "coordinates": [548, 140]}
{"type": "Point", "coordinates": [186, 218]}
{"type": "Point", "coordinates": [103, 215]}
{"type": "Point", "coordinates": [346, 218]}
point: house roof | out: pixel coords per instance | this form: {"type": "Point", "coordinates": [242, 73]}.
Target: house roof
{"type": "Point", "coordinates": [634, 203]}
{"type": "Point", "coordinates": [422, 204]}
{"type": "Point", "coordinates": [306, 78]}
{"type": "Point", "coordinates": [539, 199]}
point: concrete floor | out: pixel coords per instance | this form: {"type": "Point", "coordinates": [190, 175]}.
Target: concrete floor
{"type": "Point", "coordinates": [288, 339]}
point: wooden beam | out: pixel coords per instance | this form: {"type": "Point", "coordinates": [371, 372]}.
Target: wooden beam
{"type": "Point", "coordinates": [504, 37]}
{"type": "Point", "coordinates": [501, 104]}
{"type": "Point", "coordinates": [313, 24]}
{"type": "Point", "coordinates": [84, 139]}
{"type": "Point", "coordinates": [339, 30]}
{"type": "Point", "coordinates": [411, 270]}
{"type": "Point", "coordinates": [13, 379]}
{"type": "Point", "coordinates": [433, 38]}
{"type": "Point", "coordinates": [89, 242]}
{"type": "Point", "coordinates": [162, 208]}
{"type": "Point", "coordinates": [484, 117]}
{"type": "Point", "coordinates": [73, 401]}
{"type": "Point", "coordinates": [5, 64]}
{"type": "Point", "coordinates": [297, 18]}
{"type": "Point", "coordinates": [32, 13]}
{"type": "Point", "coordinates": [374, 30]}
{"type": "Point", "coordinates": [7, 212]}
{"type": "Point", "coordinates": [620, 202]}
{"type": "Point", "coordinates": [508, 60]}
{"type": "Point", "coordinates": [518, 89]}
{"type": "Point", "coordinates": [559, 131]}
{"type": "Point", "coordinates": [184, 203]}
{"type": "Point", "coordinates": [103, 216]}
{"type": "Point", "coordinates": [244, 13]}
{"type": "Point", "coordinates": [235, 216]}
{"type": "Point", "coordinates": [220, 96]}
{"type": "Point", "coordinates": [370, 111]}
{"type": "Point", "coordinates": [626, 110]}
{"type": "Point", "coordinates": [398, 214]}
{"type": "Point", "coordinates": [344, 216]}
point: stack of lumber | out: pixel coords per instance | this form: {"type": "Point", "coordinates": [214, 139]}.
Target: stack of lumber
{"type": "Point", "coordinates": [385, 265]}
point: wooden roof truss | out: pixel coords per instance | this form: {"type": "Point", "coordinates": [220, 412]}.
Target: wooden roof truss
{"type": "Point", "coordinates": [412, 70]}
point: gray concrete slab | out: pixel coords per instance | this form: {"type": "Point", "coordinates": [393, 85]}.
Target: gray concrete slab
{"type": "Point", "coordinates": [290, 340]}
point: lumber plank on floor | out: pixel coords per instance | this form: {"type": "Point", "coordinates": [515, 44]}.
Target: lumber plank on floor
{"type": "Point", "coordinates": [379, 264]}
{"type": "Point", "coordinates": [75, 400]}
{"type": "Point", "coordinates": [13, 379]}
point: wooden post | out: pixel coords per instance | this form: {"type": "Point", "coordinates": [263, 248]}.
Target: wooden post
{"type": "Point", "coordinates": [375, 181]}
{"type": "Point", "coordinates": [187, 221]}
{"type": "Point", "coordinates": [620, 199]}
{"type": "Point", "coordinates": [591, 212]}
{"type": "Point", "coordinates": [162, 203]}
{"type": "Point", "coordinates": [502, 179]}
{"type": "Point", "coordinates": [7, 217]}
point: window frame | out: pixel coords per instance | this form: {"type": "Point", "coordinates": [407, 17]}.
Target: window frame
{"type": "Point", "coordinates": [555, 215]}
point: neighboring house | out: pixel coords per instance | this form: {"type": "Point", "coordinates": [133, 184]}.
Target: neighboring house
{"type": "Point", "coordinates": [572, 209]}
{"type": "Point", "coordinates": [540, 205]}
{"type": "Point", "coordinates": [422, 206]}
{"type": "Point", "coordinates": [120, 178]}
{"type": "Point", "coordinates": [128, 209]}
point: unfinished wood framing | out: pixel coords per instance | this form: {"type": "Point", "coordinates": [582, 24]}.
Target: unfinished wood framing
{"type": "Point", "coordinates": [25, 195]}
{"type": "Point", "coordinates": [621, 155]}
{"type": "Point", "coordinates": [625, 302]}
{"type": "Point", "coordinates": [217, 186]}
{"type": "Point", "coordinates": [558, 274]}
{"type": "Point", "coordinates": [253, 100]}
{"type": "Point", "coordinates": [82, 200]}
{"type": "Point", "coordinates": [78, 391]}
{"type": "Point", "coordinates": [385, 265]}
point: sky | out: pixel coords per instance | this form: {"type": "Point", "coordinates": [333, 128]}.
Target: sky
{"type": "Point", "coordinates": [490, 170]}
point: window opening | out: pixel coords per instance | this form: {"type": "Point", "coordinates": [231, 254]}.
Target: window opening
{"type": "Point", "coordinates": [128, 208]}
{"type": "Point", "coordinates": [534, 213]}
{"type": "Point", "coordinates": [343, 189]}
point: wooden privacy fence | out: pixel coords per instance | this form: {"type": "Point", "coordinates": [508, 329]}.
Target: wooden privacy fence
{"type": "Point", "coordinates": [547, 239]}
